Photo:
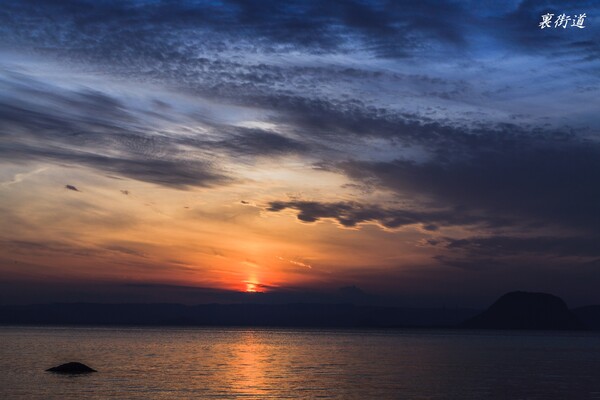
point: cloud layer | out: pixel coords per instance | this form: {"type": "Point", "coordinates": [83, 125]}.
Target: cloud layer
{"type": "Point", "coordinates": [459, 118]}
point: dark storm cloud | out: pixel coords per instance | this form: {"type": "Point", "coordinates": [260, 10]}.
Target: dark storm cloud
{"type": "Point", "coordinates": [552, 183]}
{"type": "Point", "coordinates": [350, 214]}
{"type": "Point", "coordinates": [499, 246]}
{"type": "Point", "coordinates": [575, 255]}
{"type": "Point", "coordinates": [502, 173]}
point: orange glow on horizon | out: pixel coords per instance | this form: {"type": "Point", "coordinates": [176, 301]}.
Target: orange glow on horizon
{"type": "Point", "coordinates": [199, 238]}
{"type": "Point", "coordinates": [253, 286]}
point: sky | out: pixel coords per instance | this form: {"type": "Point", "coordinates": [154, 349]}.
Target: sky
{"type": "Point", "coordinates": [432, 153]}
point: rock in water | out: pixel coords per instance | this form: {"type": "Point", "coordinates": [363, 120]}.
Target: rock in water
{"type": "Point", "coordinates": [523, 310]}
{"type": "Point", "coordinates": [72, 368]}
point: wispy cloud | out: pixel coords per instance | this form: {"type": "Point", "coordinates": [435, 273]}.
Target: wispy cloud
{"type": "Point", "coordinates": [20, 177]}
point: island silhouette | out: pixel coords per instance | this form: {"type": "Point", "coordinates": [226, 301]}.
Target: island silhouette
{"type": "Point", "coordinates": [525, 310]}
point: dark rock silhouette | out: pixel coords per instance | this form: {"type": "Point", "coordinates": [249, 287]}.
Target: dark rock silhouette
{"type": "Point", "coordinates": [589, 315]}
{"type": "Point", "coordinates": [72, 368]}
{"type": "Point", "coordinates": [524, 310]}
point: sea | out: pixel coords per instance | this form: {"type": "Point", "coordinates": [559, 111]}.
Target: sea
{"type": "Point", "coordinates": [258, 363]}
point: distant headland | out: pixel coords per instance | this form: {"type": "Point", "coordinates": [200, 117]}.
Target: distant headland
{"type": "Point", "coordinates": [525, 310]}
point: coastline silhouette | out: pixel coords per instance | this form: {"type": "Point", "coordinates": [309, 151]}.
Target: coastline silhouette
{"type": "Point", "coordinates": [514, 310]}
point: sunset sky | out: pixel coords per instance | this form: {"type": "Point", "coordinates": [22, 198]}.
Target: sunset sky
{"type": "Point", "coordinates": [434, 152]}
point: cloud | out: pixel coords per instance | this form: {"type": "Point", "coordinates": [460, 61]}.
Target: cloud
{"type": "Point", "coordinates": [500, 246]}
{"type": "Point", "coordinates": [522, 33]}
{"type": "Point", "coordinates": [122, 249]}
{"type": "Point", "coordinates": [350, 214]}
{"type": "Point", "coordinates": [45, 247]}
{"type": "Point", "coordinates": [253, 142]}
{"type": "Point", "coordinates": [296, 262]}
{"type": "Point", "coordinates": [550, 182]}
{"type": "Point", "coordinates": [389, 29]}
{"type": "Point", "coordinates": [458, 113]}
{"type": "Point", "coordinates": [172, 173]}
{"type": "Point", "coordinates": [20, 177]}
{"type": "Point", "coordinates": [46, 122]}
{"type": "Point", "coordinates": [574, 255]}
{"type": "Point", "coordinates": [330, 110]}
{"type": "Point", "coordinates": [71, 187]}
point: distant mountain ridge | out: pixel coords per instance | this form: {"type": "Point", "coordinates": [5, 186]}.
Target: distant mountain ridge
{"type": "Point", "coordinates": [514, 310]}
{"type": "Point", "coordinates": [526, 310]}
{"type": "Point", "coordinates": [280, 315]}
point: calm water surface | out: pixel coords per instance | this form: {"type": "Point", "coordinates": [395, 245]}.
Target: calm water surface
{"type": "Point", "coordinates": [153, 363]}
